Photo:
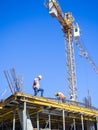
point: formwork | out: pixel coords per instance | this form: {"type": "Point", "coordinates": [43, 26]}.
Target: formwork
{"type": "Point", "coordinates": [45, 114]}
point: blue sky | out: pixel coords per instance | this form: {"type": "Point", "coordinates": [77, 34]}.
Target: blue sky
{"type": "Point", "coordinates": [32, 42]}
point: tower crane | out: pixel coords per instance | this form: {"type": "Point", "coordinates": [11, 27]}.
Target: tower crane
{"type": "Point", "coordinates": [71, 32]}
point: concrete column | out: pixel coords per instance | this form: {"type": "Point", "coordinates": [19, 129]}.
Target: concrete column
{"type": "Point", "coordinates": [25, 120]}
{"type": "Point", "coordinates": [63, 120]}
{"type": "Point", "coordinates": [82, 122]}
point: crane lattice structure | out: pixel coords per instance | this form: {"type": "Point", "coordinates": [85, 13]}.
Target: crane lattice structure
{"type": "Point", "coordinates": [71, 32]}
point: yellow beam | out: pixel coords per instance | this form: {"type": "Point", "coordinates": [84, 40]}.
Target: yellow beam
{"type": "Point", "coordinates": [47, 102]}
{"type": "Point", "coordinates": [38, 102]}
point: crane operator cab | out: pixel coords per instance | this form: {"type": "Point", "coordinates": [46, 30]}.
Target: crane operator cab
{"type": "Point", "coordinates": [52, 9]}
{"type": "Point", "coordinates": [76, 31]}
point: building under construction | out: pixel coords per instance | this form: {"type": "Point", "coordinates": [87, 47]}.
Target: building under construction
{"type": "Point", "coordinates": [27, 112]}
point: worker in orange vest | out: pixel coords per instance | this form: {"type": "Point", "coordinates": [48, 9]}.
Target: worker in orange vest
{"type": "Point", "coordinates": [36, 86]}
{"type": "Point", "coordinates": [60, 96]}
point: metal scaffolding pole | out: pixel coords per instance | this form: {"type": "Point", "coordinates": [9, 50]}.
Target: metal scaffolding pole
{"type": "Point", "coordinates": [63, 119]}
{"type": "Point", "coordinates": [74, 124]}
{"type": "Point", "coordinates": [49, 121]}
{"type": "Point", "coordinates": [37, 121]}
{"type": "Point", "coordinates": [24, 117]}
{"type": "Point", "coordinates": [2, 121]}
{"type": "Point", "coordinates": [82, 122]}
{"type": "Point", "coordinates": [14, 120]}
{"type": "Point", "coordinates": [97, 122]}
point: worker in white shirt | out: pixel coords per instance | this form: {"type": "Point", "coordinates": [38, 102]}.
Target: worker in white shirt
{"type": "Point", "coordinates": [60, 96]}
{"type": "Point", "coordinates": [71, 98]}
{"type": "Point", "coordinates": [36, 86]}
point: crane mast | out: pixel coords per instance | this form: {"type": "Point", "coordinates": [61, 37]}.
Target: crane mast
{"type": "Point", "coordinates": [66, 21]}
{"type": "Point", "coordinates": [71, 35]}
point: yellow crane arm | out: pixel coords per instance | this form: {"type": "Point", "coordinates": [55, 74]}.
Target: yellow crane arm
{"type": "Point", "coordinates": [65, 20]}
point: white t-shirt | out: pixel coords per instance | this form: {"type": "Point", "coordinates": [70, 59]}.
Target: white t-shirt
{"type": "Point", "coordinates": [37, 82]}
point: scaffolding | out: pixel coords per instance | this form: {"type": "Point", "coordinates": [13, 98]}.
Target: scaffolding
{"type": "Point", "coordinates": [26, 112]}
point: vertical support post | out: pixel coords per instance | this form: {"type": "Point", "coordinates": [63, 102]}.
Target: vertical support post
{"type": "Point", "coordinates": [24, 117]}
{"type": "Point", "coordinates": [63, 119]}
{"type": "Point", "coordinates": [2, 121]}
{"type": "Point", "coordinates": [49, 121]}
{"type": "Point", "coordinates": [74, 124]}
{"type": "Point", "coordinates": [14, 120]}
{"type": "Point", "coordinates": [37, 121]}
{"type": "Point", "coordinates": [82, 122]}
{"type": "Point", "coordinates": [97, 123]}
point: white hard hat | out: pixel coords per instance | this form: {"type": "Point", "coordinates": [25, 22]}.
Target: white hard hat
{"type": "Point", "coordinates": [56, 94]}
{"type": "Point", "coordinates": [40, 77]}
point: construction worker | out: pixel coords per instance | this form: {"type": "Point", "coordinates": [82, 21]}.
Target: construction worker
{"type": "Point", "coordinates": [60, 96]}
{"type": "Point", "coordinates": [36, 86]}
{"type": "Point", "coordinates": [71, 98]}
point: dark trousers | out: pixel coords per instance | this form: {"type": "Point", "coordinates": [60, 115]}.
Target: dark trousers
{"type": "Point", "coordinates": [36, 90]}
